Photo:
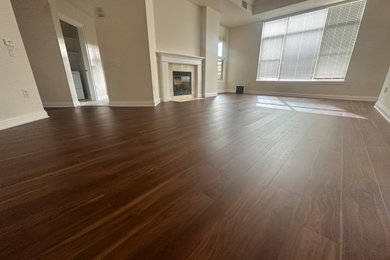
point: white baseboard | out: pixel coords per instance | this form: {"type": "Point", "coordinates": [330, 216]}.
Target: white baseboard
{"type": "Point", "coordinates": [213, 94]}
{"type": "Point", "coordinates": [157, 102]}
{"type": "Point", "coordinates": [132, 104]}
{"type": "Point", "coordinates": [385, 112]}
{"type": "Point", "coordinates": [60, 104]}
{"type": "Point", "coordinates": [337, 97]}
{"type": "Point", "coordinates": [102, 98]}
{"type": "Point", "coordinates": [203, 96]}
{"type": "Point", "coordinates": [21, 120]}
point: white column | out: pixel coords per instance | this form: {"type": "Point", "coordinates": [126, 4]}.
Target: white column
{"type": "Point", "coordinates": [199, 85]}
{"type": "Point", "coordinates": [165, 95]}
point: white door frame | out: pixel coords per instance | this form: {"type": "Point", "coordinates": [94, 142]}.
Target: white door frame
{"type": "Point", "coordinates": [85, 54]}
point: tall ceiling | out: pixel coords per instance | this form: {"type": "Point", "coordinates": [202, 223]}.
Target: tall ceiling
{"type": "Point", "coordinates": [232, 13]}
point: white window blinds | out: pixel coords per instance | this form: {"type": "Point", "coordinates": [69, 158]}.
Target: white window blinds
{"type": "Point", "coordinates": [312, 46]}
{"type": "Point", "coordinates": [340, 35]}
{"type": "Point", "coordinates": [272, 49]}
{"type": "Point", "coordinates": [303, 41]}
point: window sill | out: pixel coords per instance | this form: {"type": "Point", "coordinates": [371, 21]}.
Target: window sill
{"type": "Point", "coordinates": [315, 82]}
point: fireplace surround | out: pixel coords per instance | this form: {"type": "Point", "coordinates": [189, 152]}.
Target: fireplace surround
{"type": "Point", "coordinates": [166, 61]}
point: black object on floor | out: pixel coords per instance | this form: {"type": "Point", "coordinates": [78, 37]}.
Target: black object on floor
{"type": "Point", "coordinates": [240, 90]}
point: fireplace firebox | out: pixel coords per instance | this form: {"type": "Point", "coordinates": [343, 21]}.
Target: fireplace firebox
{"type": "Point", "coordinates": [182, 83]}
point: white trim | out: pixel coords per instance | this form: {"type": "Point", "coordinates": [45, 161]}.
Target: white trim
{"type": "Point", "coordinates": [102, 97]}
{"type": "Point", "coordinates": [384, 111]}
{"type": "Point", "coordinates": [84, 53]}
{"type": "Point", "coordinates": [311, 82]}
{"type": "Point", "coordinates": [91, 74]}
{"type": "Point", "coordinates": [179, 58]}
{"type": "Point", "coordinates": [214, 94]}
{"type": "Point", "coordinates": [283, 94]}
{"type": "Point", "coordinates": [21, 120]}
{"type": "Point", "coordinates": [222, 90]}
{"type": "Point", "coordinates": [61, 104]}
{"type": "Point", "coordinates": [133, 103]}
{"type": "Point", "coordinates": [165, 59]}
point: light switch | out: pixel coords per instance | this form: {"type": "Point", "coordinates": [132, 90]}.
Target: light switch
{"type": "Point", "coordinates": [8, 42]}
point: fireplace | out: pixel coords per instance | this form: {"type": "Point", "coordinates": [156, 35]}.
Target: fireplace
{"type": "Point", "coordinates": [182, 83]}
{"type": "Point", "coordinates": [170, 65]}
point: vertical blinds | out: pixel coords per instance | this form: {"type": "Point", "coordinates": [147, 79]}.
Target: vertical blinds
{"type": "Point", "coordinates": [311, 46]}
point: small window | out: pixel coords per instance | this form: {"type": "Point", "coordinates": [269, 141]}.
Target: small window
{"type": "Point", "coordinates": [313, 46]}
{"type": "Point", "coordinates": [220, 60]}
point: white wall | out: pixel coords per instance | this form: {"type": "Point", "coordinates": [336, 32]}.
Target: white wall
{"type": "Point", "coordinates": [39, 36]}
{"type": "Point", "coordinates": [152, 49]}
{"type": "Point", "coordinates": [124, 46]}
{"type": "Point", "coordinates": [81, 14]}
{"type": "Point", "coordinates": [365, 76]}
{"type": "Point", "coordinates": [383, 104]}
{"type": "Point", "coordinates": [178, 26]}
{"type": "Point", "coordinates": [16, 76]}
{"type": "Point", "coordinates": [210, 39]}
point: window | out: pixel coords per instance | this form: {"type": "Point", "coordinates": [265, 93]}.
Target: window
{"type": "Point", "coordinates": [220, 61]}
{"type": "Point", "coordinates": [312, 46]}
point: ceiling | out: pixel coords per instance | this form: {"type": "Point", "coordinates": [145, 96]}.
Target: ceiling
{"type": "Point", "coordinates": [232, 14]}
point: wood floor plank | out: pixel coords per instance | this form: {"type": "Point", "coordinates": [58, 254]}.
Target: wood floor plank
{"type": "Point", "coordinates": [319, 209]}
{"type": "Point", "coordinates": [260, 223]}
{"type": "Point", "coordinates": [230, 177]}
{"type": "Point", "coordinates": [378, 151]}
{"type": "Point", "coordinates": [304, 244]}
{"type": "Point", "coordinates": [366, 223]}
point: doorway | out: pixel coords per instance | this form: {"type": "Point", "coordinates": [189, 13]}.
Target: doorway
{"type": "Point", "coordinates": [79, 64]}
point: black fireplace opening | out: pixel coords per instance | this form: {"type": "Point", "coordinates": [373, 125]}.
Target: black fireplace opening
{"type": "Point", "coordinates": [182, 83]}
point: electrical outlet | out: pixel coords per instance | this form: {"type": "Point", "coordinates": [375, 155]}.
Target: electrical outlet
{"type": "Point", "coordinates": [25, 93]}
{"type": "Point", "coordinates": [386, 89]}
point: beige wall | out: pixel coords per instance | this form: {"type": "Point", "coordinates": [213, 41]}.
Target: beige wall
{"type": "Point", "coordinates": [184, 28]}
{"type": "Point", "coordinates": [124, 46]}
{"type": "Point", "coordinates": [39, 36]}
{"type": "Point", "coordinates": [178, 26]}
{"type": "Point", "coordinates": [267, 5]}
{"type": "Point", "coordinates": [81, 14]}
{"type": "Point", "coordinates": [210, 38]}
{"type": "Point", "coordinates": [15, 76]}
{"type": "Point", "coordinates": [365, 76]}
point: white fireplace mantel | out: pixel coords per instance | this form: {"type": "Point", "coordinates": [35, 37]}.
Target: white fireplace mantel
{"type": "Point", "coordinates": [165, 59]}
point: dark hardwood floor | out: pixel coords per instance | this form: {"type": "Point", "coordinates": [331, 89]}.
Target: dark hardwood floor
{"type": "Point", "coordinates": [231, 177]}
